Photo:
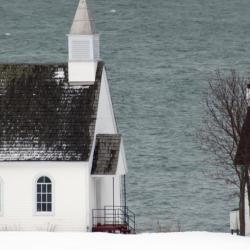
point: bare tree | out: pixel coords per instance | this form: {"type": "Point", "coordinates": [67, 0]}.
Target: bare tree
{"type": "Point", "coordinates": [225, 111]}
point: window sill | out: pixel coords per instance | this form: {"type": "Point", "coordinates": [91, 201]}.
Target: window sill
{"type": "Point", "coordinates": [44, 213]}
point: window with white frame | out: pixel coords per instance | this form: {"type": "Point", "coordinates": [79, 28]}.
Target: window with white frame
{"type": "Point", "coordinates": [44, 194]}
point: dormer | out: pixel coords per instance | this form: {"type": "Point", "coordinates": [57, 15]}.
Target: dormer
{"type": "Point", "coordinates": [83, 47]}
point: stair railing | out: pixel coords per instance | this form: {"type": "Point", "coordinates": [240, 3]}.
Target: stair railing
{"type": "Point", "coordinates": [114, 215]}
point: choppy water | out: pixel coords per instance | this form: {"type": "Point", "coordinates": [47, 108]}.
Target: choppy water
{"type": "Point", "coordinates": [159, 54]}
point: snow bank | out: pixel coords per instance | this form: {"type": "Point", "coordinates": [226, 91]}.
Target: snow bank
{"type": "Point", "coordinates": [101, 241]}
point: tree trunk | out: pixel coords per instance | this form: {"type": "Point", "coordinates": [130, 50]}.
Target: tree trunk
{"type": "Point", "coordinates": [244, 177]}
{"type": "Point", "coordinates": [242, 213]}
{"type": "Point", "coordinates": [248, 187]}
{"type": "Point", "coordinates": [248, 192]}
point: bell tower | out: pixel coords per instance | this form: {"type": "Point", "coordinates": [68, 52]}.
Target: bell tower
{"type": "Point", "coordinates": [83, 47]}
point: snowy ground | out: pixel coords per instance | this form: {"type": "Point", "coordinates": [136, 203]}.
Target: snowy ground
{"type": "Point", "coordinates": [100, 241]}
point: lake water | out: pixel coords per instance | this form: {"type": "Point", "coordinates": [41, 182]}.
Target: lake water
{"type": "Point", "coordinates": [159, 55]}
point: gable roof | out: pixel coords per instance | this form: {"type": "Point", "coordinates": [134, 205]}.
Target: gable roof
{"type": "Point", "coordinates": [42, 118]}
{"type": "Point", "coordinates": [242, 156]}
{"type": "Point", "coordinates": [106, 154]}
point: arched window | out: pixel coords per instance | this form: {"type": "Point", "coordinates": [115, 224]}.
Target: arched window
{"type": "Point", "coordinates": [44, 194]}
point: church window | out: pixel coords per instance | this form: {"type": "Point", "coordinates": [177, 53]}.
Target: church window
{"type": "Point", "coordinates": [44, 194]}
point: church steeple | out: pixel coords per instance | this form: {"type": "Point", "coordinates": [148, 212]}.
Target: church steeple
{"type": "Point", "coordinates": [83, 45]}
{"type": "Point", "coordinates": [83, 23]}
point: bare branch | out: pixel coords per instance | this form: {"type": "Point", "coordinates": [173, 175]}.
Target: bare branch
{"type": "Point", "coordinates": [225, 110]}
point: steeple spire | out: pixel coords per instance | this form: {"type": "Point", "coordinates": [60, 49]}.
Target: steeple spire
{"type": "Point", "coordinates": [84, 48]}
{"type": "Point", "coordinates": [83, 23]}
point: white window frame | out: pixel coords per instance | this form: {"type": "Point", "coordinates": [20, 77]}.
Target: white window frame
{"type": "Point", "coordinates": [44, 213]}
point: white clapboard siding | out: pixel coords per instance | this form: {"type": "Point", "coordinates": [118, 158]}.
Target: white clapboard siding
{"type": "Point", "coordinates": [70, 196]}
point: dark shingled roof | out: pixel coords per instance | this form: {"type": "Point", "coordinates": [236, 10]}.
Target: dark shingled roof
{"type": "Point", "coordinates": [42, 118]}
{"type": "Point", "coordinates": [242, 156]}
{"type": "Point", "coordinates": [107, 148]}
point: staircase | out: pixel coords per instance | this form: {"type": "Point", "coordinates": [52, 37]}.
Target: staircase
{"type": "Point", "coordinates": [113, 220]}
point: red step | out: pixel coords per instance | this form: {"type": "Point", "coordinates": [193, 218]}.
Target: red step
{"type": "Point", "coordinates": [110, 228]}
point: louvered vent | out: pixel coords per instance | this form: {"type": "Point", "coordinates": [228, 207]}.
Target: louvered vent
{"type": "Point", "coordinates": [97, 48]}
{"type": "Point", "coordinates": [80, 50]}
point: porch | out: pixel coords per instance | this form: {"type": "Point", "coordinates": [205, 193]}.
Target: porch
{"type": "Point", "coordinates": [113, 219]}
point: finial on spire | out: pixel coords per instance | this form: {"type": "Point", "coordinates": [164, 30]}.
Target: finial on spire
{"type": "Point", "coordinates": [83, 23]}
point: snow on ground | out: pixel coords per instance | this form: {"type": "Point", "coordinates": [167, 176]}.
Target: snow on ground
{"type": "Point", "coordinates": [101, 241]}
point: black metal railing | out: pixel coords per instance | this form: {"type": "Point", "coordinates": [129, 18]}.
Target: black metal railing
{"type": "Point", "coordinates": [114, 216]}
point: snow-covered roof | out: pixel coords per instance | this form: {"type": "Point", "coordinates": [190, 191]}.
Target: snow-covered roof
{"type": "Point", "coordinates": [42, 117]}
{"type": "Point", "coordinates": [107, 148]}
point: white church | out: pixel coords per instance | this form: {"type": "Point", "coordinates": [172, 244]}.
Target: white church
{"type": "Point", "coordinates": [62, 160]}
